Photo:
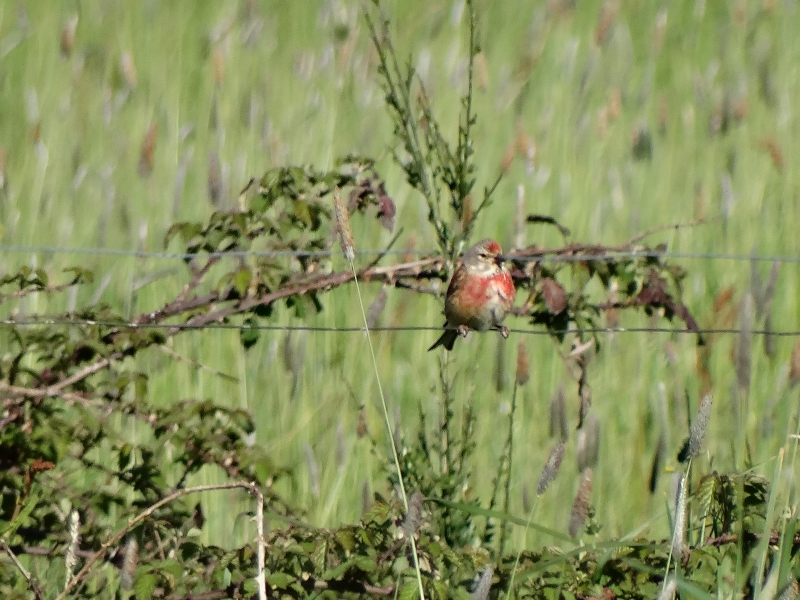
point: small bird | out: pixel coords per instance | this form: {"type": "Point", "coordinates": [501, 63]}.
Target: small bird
{"type": "Point", "coordinates": [479, 296]}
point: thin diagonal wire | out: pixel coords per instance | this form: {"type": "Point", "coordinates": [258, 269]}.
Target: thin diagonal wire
{"type": "Point", "coordinates": [327, 329]}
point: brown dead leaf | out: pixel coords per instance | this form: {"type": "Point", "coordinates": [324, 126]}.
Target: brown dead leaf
{"type": "Point", "coordinates": [554, 296]}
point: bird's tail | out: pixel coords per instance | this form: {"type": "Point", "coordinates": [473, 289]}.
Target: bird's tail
{"type": "Point", "coordinates": [447, 339]}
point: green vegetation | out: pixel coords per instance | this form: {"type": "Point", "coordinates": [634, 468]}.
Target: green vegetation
{"type": "Point", "coordinates": [134, 127]}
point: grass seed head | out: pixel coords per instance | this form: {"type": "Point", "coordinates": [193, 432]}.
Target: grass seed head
{"type": "Point", "coordinates": [790, 591]}
{"type": "Point", "coordinates": [581, 503]}
{"type": "Point", "coordinates": [697, 433]}
{"type": "Point", "coordinates": [71, 558]}
{"type": "Point", "coordinates": [413, 519]}
{"type": "Point", "coordinates": [588, 443]}
{"type": "Point", "coordinates": [551, 467]}
{"type": "Point", "coordinates": [130, 563]}
{"type": "Point", "coordinates": [484, 585]}
{"type": "Point", "coordinates": [679, 531]}
{"type": "Point", "coordinates": [343, 226]}
{"type": "Point", "coordinates": [668, 593]}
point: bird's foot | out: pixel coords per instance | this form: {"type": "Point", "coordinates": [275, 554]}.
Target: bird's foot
{"type": "Point", "coordinates": [463, 330]}
{"type": "Point", "coordinates": [504, 331]}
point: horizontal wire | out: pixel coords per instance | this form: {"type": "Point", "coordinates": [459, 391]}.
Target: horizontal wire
{"type": "Point", "coordinates": [234, 326]}
{"type": "Point", "coordinates": [304, 253]}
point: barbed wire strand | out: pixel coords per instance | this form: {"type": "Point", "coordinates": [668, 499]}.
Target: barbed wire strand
{"type": "Point", "coordinates": [331, 329]}
{"type": "Point", "coordinates": [324, 253]}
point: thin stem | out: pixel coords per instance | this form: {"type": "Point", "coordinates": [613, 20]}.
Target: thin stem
{"type": "Point", "coordinates": [395, 455]}
{"type": "Point", "coordinates": [524, 543]}
{"type": "Point", "coordinates": [34, 587]}
{"type": "Point", "coordinates": [508, 457]}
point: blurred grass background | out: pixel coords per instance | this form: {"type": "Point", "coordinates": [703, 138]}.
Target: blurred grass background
{"type": "Point", "coordinates": [155, 111]}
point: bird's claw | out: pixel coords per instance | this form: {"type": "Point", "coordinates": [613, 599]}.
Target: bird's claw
{"type": "Point", "coordinates": [463, 330]}
{"type": "Point", "coordinates": [504, 331]}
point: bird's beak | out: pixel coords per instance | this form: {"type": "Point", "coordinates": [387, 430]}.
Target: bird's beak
{"type": "Point", "coordinates": [501, 258]}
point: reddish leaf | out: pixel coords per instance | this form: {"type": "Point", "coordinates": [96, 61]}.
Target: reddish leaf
{"type": "Point", "coordinates": [386, 209]}
{"type": "Point", "coordinates": [554, 296]}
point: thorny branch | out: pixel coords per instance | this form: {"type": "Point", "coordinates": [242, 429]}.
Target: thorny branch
{"type": "Point", "coordinates": [122, 532]}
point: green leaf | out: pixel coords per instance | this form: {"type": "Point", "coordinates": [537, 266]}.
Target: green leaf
{"type": "Point", "coordinates": [346, 539]}
{"type": "Point", "coordinates": [30, 503]}
{"type": "Point", "coordinates": [241, 280]}
{"type": "Point", "coordinates": [145, 585]}
{"type": "Point", "coordinates": [409, 591]}
{"type": "Point", "coordinates": [279, 580]}
{"type": "Point", "coordinates": [248, 335]}
{"type": "Point", "coordinates": [302, 212]}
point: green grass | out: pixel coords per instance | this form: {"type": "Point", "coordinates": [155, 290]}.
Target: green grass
{"type": "Point", "coordinates": [313, 114]}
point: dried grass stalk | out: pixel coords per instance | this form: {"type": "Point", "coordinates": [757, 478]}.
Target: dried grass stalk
{"type": "Point", "coordinates": [580, 506]}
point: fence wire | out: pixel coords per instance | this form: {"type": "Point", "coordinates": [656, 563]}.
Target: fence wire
{"type": "Point", "coordinates": [141, 254]}
{"type": "Point", "coordinates": [329, 329]}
